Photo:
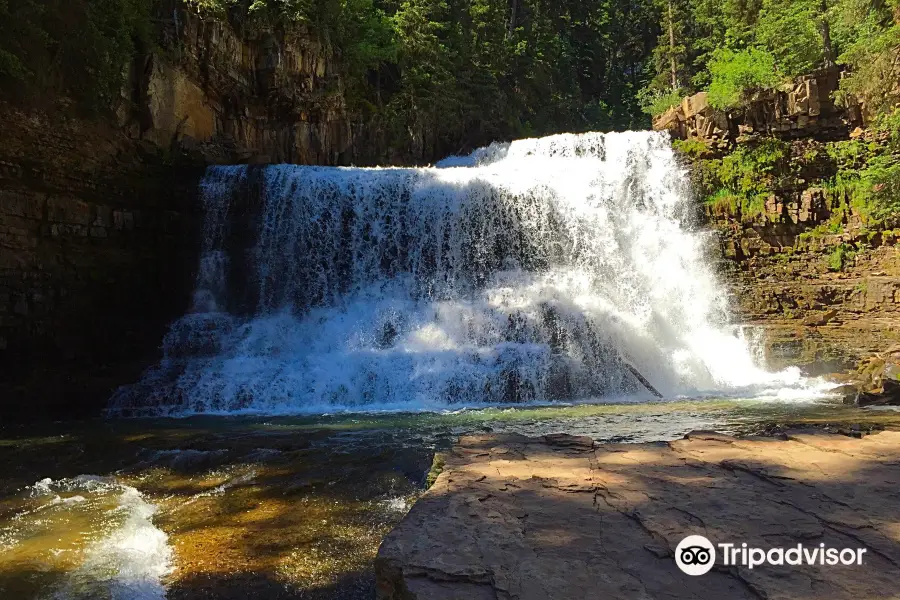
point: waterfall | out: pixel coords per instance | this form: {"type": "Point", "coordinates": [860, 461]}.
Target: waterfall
{"type": "Point", "coordinates": [556, 269]}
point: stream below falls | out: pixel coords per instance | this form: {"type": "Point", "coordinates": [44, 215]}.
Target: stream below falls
{"type": "Point", "coordinates": [270, 507]}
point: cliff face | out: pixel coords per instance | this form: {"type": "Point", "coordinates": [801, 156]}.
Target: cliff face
{"type": "Point", "coordinates": [96, 253]}
{"type": "Point", "coordinates": [99, 217]}
{"type": "Point", "coordinates": [813, 312]}
{"type": "Point", "coordinates": [802, 109]}
{"type": "Point", "coordinates": [804, 257]}
{"type": "Point", "coordinates": [228, 95]}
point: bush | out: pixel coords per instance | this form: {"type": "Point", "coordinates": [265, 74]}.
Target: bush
{"type": "Point", "coordinates": [840, 257]}
{"type": "Point", "coordinates": [790, 30]}
{"type": "Point", "coordinates": [878, 196]}
{"type": "Point", "coordinates": [692, 148]}
{"type": "Point", "coordinates": [736, 74]}
{"type": "Point", "coordinates": [745, 178]}
{"type": "Point", "coordinates": [755, 170]}
{"type": "Point", "coordinates": [656, 102]}
{"type": "Point", "coordinates": [872, 58]}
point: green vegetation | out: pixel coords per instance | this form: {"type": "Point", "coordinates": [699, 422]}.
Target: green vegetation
{"type": "Point", "coordinates": [437, 467]}
{"type": "Point", "coordinates": [867, 179]}
{"type": "Point", "coordinates": [840, 257]}
{"type": "Point", "coordinates": [77, 47]}
{"type": "Point", "coordinates": [439, 76]}
{"type": "Point", "coordinates": [435, 77]}
{"type": "Point", "coordinates": [693, 148]}
{"type": "Point", "coordinates": [734, 48]}
{"type": "Point", "coordinates": [864, 179]}
{"type": "Point", "coordinates": [745, 178]}
{"type": "Point", "coordinates": [736, 74]}
{"type": "Point", "coordinates": [656, 102]}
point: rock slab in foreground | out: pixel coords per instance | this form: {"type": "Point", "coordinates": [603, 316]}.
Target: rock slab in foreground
{"type": "Point", "coordinates": [512, 517]}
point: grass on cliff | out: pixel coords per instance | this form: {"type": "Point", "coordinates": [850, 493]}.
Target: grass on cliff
{"type": "Point", "coordinates": [740, 182]}
{"type": "Point", "coordinates": [856, 178]}
{"type": "Point", "coordinates": [841, 257]}
{"type": "Point", "coordinates": [692, 148]}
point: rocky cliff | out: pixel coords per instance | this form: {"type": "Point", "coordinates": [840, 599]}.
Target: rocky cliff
{"type": "Point", "coordinates": [98, 215]}
{"type": "Point", "coordinates": [96, 253]}
{"type": "Point", "coordinates": [804, 108]}
{"type": "Point", "coordinates": [806, 260]}
{"type": "Point", "coordinates": [821, 299]}
{"type": "Point", "coordinates": [230, 93]}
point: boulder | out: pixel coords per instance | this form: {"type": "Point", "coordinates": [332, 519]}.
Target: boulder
{"type": "Point", "coordinates": [888, 396]}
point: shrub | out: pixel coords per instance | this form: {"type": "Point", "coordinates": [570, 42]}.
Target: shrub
{"type": "Point", "coordinates": [755, 170]}
{"type": "Point", "coordinates": [791, 30]}
{"type": "Point", "coordinates": [745, 178]}
{"type": "Point", "coordinates": [692, 148]}
{"type": "Point", "coordinates": [872, 58]}
{"type": "Point", "coordinates": [656, 102]}
{"type": "Point", "coordinates": [736, 74]}
{"type": "Point", "coordinates": [840, 257]}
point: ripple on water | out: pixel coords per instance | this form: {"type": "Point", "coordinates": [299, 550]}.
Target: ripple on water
{"type": "Point", "coordinates": [86, 537]}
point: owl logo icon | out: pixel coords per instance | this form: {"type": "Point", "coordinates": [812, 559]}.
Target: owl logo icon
{"type": "Point", "coordinates": [695, 555]}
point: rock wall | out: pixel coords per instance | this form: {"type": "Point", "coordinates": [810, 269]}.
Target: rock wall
{"type": "Point", "coordinates": [809, 314]}
{"type": "Point", "coordinates": [98, 216]}
{"type": "Point", "coordinates": [805, 265]}
{"type": "Point", "coordinates": [817, 275]}
{"type": "Point", "coordinates": [232, 94]}
{"type": "Point", "coordinates": [802, 109]}
{"type": "Point", "coordinates": [96, 254]}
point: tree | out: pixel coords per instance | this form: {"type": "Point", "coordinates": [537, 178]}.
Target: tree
{"type": "Point", "coordinates": [734, 74]}
{"type": "Point", "coordinates": [797, 34]}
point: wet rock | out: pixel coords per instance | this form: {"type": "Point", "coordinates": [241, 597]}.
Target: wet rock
{"type": "Point", "coordinates": [888, 396]}
{"type": "Point", "coordinates": [875, 381]}
{"type": "Point", "coordinates": [848, 392]}
{"type": "Point", "coordinates": [544, 520]}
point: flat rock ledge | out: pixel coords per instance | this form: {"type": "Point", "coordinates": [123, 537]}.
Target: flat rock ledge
{"type": "Point", "coordinates": [512, 517]}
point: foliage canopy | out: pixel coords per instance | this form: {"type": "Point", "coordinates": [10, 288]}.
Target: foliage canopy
{"type": "Point", "coordinates": [441, 76]}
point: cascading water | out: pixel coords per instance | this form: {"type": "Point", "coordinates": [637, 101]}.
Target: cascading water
{"type": "Point", "coordinates": [549, 269]}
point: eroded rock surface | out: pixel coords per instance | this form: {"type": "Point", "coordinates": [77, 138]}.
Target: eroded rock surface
{"type": "Point", "coordinates": [560, 517]}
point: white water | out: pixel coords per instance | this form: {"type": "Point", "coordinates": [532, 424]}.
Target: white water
{"type": "Point", "coordinates": [526, 272]}
{"type": "Point", "coordinates": [102, 527]}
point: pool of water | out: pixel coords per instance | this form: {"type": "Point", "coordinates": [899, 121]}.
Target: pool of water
{"type": "Point", "coordinates": [287, 507]}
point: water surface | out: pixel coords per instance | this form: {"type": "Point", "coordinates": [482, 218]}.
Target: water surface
{"type": "Point", "coordinates": [286, 507]}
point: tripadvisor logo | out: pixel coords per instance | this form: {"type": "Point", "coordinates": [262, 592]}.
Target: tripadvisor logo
{"type": "Point", "coordinates": [696, 555]}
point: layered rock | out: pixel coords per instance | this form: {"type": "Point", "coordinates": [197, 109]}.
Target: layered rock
{"type": "Point", "coordinates": [805, 261]}
{"type": "Point", "coordinates": [97, 215]}
{"type": "Point", "coordinates": [96, 254]}
{"type": "Point", "coordinates": [823, 301]}
{"type": "Point", "coordinates": [561, 517]}
{"type": "Point", "coordinates": [876, 382]}
{"type": "Point", "coordinates": [234, 94]}
{"type": "Point", "coordinates": [803, 108]}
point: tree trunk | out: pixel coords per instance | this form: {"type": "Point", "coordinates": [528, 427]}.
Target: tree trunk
{"type": "Point", "coordinates": [672, 64]}
{"type": "Point", "coordinates": [514, 8]}
{"type": "Point", "coordinates": [825, 29]}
